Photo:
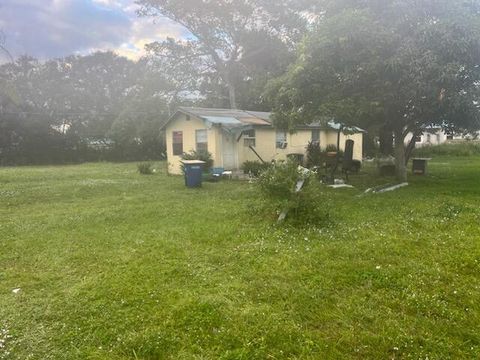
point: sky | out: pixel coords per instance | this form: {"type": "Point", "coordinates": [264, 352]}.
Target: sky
{"type": "Point", "coordinates": [55, 28]}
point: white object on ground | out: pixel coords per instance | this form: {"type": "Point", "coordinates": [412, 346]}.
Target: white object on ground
{"type": "Point", "coordinates": [228, 174]}
{"type": "Point", "coordinates": [391, 188]}
{"type": "Point", "coordinates": [303, 170]}
{"type": "Point", "coordinates": [299, 185]}
{"type": "Point", "coordinates": [339, 186]}
{"type": "Point", "coordinates": [16, 291]}
{"type": "Point", "coordinates": [282, 216]}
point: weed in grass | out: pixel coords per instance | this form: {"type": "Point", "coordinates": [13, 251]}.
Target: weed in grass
{"type": "Point", "coordinates": [145, 168]}
{"type": "Point", "coordinates": [449, 211]}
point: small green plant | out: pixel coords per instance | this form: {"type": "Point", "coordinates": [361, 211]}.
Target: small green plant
{"type": "Point", "coordinates": [307, 207]}
{"type": "Point", "coordinates": [449, 211]}
{"type": "Point", "coordinates": [279, 184]}
{"type": "Point", "coordinates": [333, 148]}
{"type": "Point", "coordinates": [145, 168]}
{"type": "Point", "coordinates": [254, 168]}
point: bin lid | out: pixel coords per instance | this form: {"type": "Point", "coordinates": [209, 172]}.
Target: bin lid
{"type": "Point", "coordinates": [193, 162]}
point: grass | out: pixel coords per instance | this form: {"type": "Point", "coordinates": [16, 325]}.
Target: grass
{"type": "Point", "coordinates": [460, 148]}
{"type": "Point", "coordinates": [115, 265]}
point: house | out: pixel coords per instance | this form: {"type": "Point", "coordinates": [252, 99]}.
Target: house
{"type": "Point", "coordinates": [466, 136]}
{"type": "Point", "coordinates": [236, 136]}
{"type": "Point", "coordinates": [431, 136]}
{"type": "Point", "coordinates": [437, 136]}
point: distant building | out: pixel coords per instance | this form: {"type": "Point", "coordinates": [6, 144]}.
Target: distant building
{"type": "Point", "coordinates": [437, 136]}
{"type": "Point", "coordinates": [432, 136]}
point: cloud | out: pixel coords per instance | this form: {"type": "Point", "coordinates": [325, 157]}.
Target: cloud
{"type": "Point", "coordinates": [55, 28]}
{"type": "Point", "coordinates": [145, 30]}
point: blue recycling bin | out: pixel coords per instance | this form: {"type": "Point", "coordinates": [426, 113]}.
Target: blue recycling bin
{"type": "Point", "coordinates": [193, 172]}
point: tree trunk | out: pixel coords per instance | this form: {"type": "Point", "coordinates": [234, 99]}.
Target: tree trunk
{"type": "Point", "coordinates": [411, 145]}
{"type": "Point", "coordinates": [232, 95]}
{"type": "Point", "coordinates": [400, 165]}
{"type": "Point", "coordinates": [386, 141]}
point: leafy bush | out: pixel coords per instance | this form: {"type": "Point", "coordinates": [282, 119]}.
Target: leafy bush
{"type": "Point", "coordinates": [145, 168]}
{"type": "Point", "coordinates": [308, 206]}
{"type": "Point", "coordinates": [254, 168]}
{"type": "Point", "coordinates": [200, 155]}
{"type": "Point", "coordinates": [464, 148]}
{"type": "Point", "coordinates": [296, 158]}
{"type": "Point", "coordinates": [314, 155]}
{"type": "Point", "coordinates": [333, 148]}
{"type": "Point", "coordinates": [278, 184]}
{"type": "Point", "coordinates": [278, 181]}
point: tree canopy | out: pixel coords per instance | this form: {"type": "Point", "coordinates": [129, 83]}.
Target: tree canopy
{"type": "Point", "coordinates": [404, 65]}
{"type": "Point", "coordinates": [225, 39]}
{"type": "Point", "coordinates": [54, 111]}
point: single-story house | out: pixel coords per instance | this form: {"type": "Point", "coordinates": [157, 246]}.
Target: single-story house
{"type": "Point", "coordinates": [431, 136]}
{"type": "Point", "coordinates": [236, 136]}
{"type": "Point", "coordinates": [438, 136]}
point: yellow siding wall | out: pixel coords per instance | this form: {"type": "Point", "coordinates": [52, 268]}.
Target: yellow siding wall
{"type": "Point", "coordinates": [357, 147]}
{"type": "Point", "coordinates": [264, 146]}
{"type": "Point", "coordinates": [188, 128]}
{"type": "Point", "coordinates": [296, 144]}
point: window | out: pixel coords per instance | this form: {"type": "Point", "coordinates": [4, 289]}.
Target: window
{"type": "Point", "coordinates": [177, 141]}
{"type": "Point", "coordinates": [201, 139]}
{"type": "Point", "coordinates": [316, 136]}
{"type": "Point", "coordinates": [249, 138]}
{"type": "Point", "coordinates": [418, 138]}
{"type": "Point", "coordinates": [281, 139]}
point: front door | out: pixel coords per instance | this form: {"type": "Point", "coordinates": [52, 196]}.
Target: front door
{"type": "Point", "coordinates": [229, 158]}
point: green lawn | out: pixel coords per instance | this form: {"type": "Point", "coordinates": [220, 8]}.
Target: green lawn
{"type": "Point", "coordinates": [116, 265]}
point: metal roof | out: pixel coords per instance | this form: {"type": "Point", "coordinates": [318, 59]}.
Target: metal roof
{"type": "Point", "coordinates": [232, 118]}
{"type": "Point", "coordinates": [228, 116]}
{"type": "Point", "coordinates": [222, 120]}
{"type": "Point", "coordinates": [349, 129]}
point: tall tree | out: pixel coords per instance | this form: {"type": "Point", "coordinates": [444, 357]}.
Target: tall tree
{"type": "Point", "coordinates": [401, 65]}
{"type": "Point", "coordinates": [63, 105]}
{"type": "Point", "coordinates": [218, 31]}
{"type": "Point", "coordinates": [27, 134]}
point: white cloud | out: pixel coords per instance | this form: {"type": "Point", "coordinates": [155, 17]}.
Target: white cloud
{"type": "Point", "coordinates": [146, 30]}
{"type": "Point", "coordinates": [55, 28]}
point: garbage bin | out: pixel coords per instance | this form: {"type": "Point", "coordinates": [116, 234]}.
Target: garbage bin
{"type": "Point", "coordinates": [419, 166]}
{"type": "Point", "coordinates": [193, 172]}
